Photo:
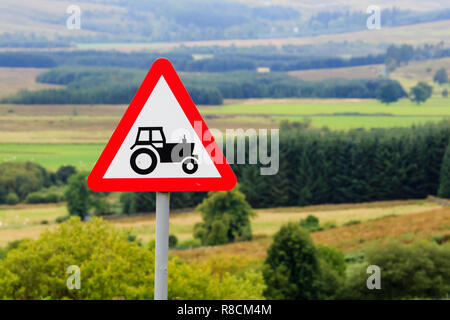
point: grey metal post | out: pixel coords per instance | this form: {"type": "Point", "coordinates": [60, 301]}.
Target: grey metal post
{"type": "Point", "coordinates": [161, 245]}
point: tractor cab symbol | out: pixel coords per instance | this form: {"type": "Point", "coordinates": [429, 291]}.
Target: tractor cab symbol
{"type": "Point", "coordinates": [153, 148]}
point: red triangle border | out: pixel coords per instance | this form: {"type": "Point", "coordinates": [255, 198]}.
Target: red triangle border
{"type": "Point", "coordinates": [96, 182]}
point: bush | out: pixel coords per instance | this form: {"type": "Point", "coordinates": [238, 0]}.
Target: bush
{"type": "Point", "coordinates": [388, 92]}
{"type": "Point", "coordinates": [419, 270]}
{"type": "Point", "coordinates": [354, 257]}
{"type": "Point", "coordinates": [21, 178]}
{"type": "Point", "coordinates": [200, 282]}
{"type": "Point", "coordinates": [64, 173]}
{"type": "Point", "coordinates": [440, 76]}
{"type": "Point", "coordinates": [329, 225]}
{"type": "Point", "coordinates": [332, 266]}
{"type": "Point", "coordinates": [421, 92]}
{"type": "Point", "coordinates": [127, 201]}
{"type": "Point", "coordinates": [189, 244]}
{"type": "Point", "coordinates": [11, 245]}
{"type": "Point", "coordinates": [42, 197]}
{"type": "Point", "coordinates": [81, 200]}
{"type": "Point", "coordinates": [311, 223]}
{"type": "Point", "coordinates": [444, 185]}
{"type": "Point", "coordinates": [291, 269]}
{"type": "Point", "coordinates": [352, 222]}
{"type": "Point", "coordinates": [12, 198]}
{"type": "Point", "coordinates": [111, 266]}
{"type": "Point", "coordinates": [138, 202]}
{"type": "Point", "coordinates": [62, 219]}
{"type": "Point", "coordinates": [226, 218]}
{"type": "Point", "coordinates": [77, 195]}
{"type": "Point", "coordinates": [173, 240]}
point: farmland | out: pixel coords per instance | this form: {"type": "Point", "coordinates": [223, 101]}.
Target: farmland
{"type": "Point", "coordinates": [15, 79]}
{"type": "Point", "coordinates": [25, 221]}
{"type": "Point", "coordinates": [55, 135]}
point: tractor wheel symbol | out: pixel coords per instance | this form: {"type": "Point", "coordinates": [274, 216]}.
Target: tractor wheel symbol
{"type": "Point", "coordinates": [189, 166]}
{"type": "Point", "coordinates": [143, 161]}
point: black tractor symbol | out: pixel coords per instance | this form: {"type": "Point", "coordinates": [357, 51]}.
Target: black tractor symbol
{"type": "Point", "coordinates": [153, 148]}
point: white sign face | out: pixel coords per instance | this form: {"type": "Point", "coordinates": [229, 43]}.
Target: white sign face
{"type": "Point", "coordinates": [162, 143]}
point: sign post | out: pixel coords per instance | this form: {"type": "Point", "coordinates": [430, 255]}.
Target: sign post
{"type": "Point", "coordinates": [161, 144]}
{"type": "Point", "coordinates": [162, 245]}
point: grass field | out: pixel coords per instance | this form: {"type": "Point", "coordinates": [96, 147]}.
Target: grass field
{"type": "Point", "coordinates": [436, 106]}
{"type": "Point", "coordinates": [24, 221]}
{"type": "Point", "coordinates": [52, 156]}
{"type": "Point", "coordinates": [25, 214]}
{"type": "Point", "coordinates": [342, 114]}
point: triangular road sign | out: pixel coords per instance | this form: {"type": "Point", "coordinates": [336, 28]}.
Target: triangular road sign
{"type": "Point", "coordinates": [161, 143]}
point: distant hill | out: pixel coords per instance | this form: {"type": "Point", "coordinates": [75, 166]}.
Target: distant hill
{"type": "Point", "coordinates": [42, 23]}
{"type": "Point", "coordinates": [311, 7]}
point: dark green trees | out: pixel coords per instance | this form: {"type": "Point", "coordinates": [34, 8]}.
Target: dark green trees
{"type": "Point", "coordinates": [297, 270]}
{"type": "Point", "coordinates": [64, 172]}
{"type": "Point", "coordinates": [419, 270]}
{"type": "Point", "coordinates": [77, 195]}
{"type": "Point", "coordinates": [80, 199]}
{"type": "Point", "coordinates": [356, 166]}
{"type": "Point", "coordinates": [440, 76]}
{"type": "Point", "coordinates": [140, 202]}
{"type": "Point", "coordinates": [444, 187]}
{"type": "Point", "coordinates": [421, 92]}
{"type": "Point", "coordinates": [291, 270]}
{"type": "Point", "coordinates": [388, 92]}
{"type": "Point", "coordinates": [226, 218]}
{"type": "Point", "coordinates": [21, 178]}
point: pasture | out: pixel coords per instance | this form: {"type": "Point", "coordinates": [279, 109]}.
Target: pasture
{"type": "Point", "coordinates": [52, 156]}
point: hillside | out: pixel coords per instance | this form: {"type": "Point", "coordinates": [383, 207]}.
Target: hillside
{"type": "Point", "coordinates": [432, 33]}
{"type": "Point", "coordinates": [351, 238]}
{"type": "Point", "coordinates": [309, 7]}
{"type": "Point", "coordinates": [108, 21]}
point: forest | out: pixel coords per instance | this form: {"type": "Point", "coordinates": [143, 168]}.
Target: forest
{"type": "Point", "coordinates": [319, 167]}
{"type": "Point", "coordinates": [118, 86]}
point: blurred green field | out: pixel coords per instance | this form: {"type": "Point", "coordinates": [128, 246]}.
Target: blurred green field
{"type": "Point", "coordinates": [341, 114]}
{"type": "Point", "coordinates": [435, 106]}
{"type": "Point", "coordinates": [52, 156]}
{"type": "Point", "coordinates": [20, 216]}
